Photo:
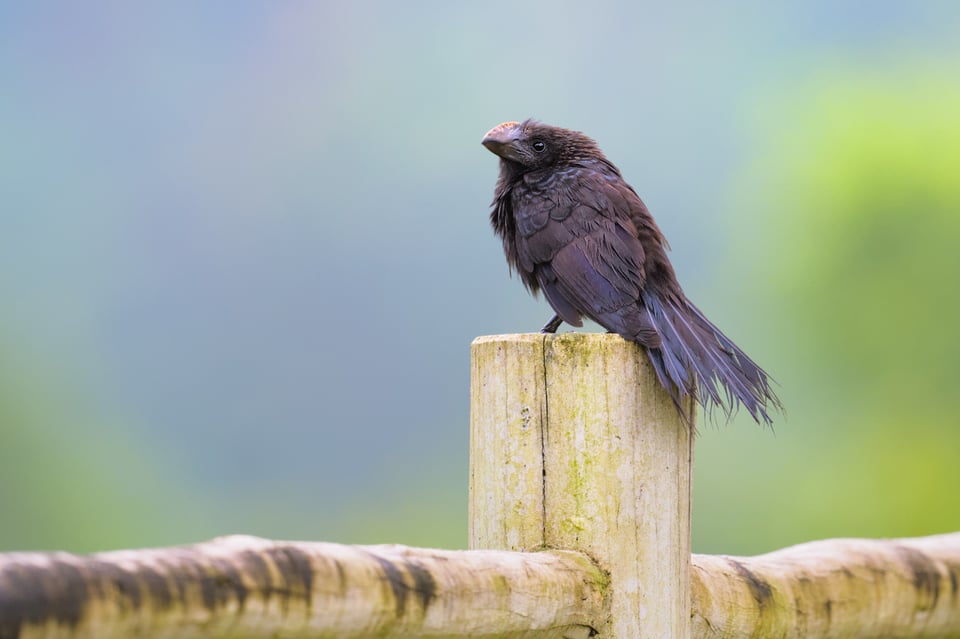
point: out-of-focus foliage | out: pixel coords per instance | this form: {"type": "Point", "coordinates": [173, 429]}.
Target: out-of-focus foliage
{"type": "Point", "coordinates": [855, 202]}
{"type": "Point", "coordinates": [60, 479]}
{"type": "Point", "coordinates": [244, 248]}
{"type": "Point", "coordinates": [870, 192]}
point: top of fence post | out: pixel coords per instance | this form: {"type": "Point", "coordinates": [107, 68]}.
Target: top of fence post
{"type": "Point", "coordinates": [574, 445]}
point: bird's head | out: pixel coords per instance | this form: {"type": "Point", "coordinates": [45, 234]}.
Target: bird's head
{"type": "Point", "coordinates": [533, 145]}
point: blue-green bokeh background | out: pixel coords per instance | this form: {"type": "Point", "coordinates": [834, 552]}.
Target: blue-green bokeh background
{"type": "Point", "coordinates": [244, 249]}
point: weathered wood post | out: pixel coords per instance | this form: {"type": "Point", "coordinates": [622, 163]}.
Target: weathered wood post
{"type": "Point", "coordinates": [575, 446]}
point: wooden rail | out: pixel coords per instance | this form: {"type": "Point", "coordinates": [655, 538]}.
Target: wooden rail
{"type": "Point", "coordinates": [579, 527]}
{"type": "Point", "coordinates": [833, 589]}
{"type": "Point", "coordinates": [236, 587]}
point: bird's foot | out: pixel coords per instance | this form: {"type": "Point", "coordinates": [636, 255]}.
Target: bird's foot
{"type": "Point", "coordinates": [552, 325]}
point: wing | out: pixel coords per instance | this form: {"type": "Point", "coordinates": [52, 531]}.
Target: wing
{"type": "Point", "coordinates": [576, 234]}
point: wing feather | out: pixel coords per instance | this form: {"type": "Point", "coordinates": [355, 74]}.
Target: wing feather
{"type": "Point", "coordinates": [585, 253]}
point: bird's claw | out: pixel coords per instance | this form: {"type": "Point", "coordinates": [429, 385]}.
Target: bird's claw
{"type": "Point", "coordinates": [552, 325]}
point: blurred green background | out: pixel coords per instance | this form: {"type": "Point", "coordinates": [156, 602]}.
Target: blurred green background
{"type": "Point", "coordinates": [244, 248]}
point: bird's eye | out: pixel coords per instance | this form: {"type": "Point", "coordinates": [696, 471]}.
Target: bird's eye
{"type": "Point", "coordinates": [539, 146]}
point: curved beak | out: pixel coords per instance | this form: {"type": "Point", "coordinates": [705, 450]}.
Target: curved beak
{"type": "Point", "coordinates": [499, 140]}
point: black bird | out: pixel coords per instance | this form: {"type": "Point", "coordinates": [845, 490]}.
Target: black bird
{"type": "Point", "coordinates": [574, 229]}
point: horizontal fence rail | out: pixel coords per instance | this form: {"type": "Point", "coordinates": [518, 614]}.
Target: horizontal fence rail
{"type": "Point", "coordinates": [239, 586]}
{"type": "Point", "coordinates": [832, 589]}
{"type": "Point", "coordinates": [249, 587]}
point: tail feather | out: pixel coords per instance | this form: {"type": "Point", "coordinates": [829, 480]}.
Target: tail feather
{"type": "Point", "coordinates": [697, 359]}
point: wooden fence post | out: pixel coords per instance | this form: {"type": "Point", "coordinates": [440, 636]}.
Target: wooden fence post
{"type": "Point", "coordinates": [575, 446]}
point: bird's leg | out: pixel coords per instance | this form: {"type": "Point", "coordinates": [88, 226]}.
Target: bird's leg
{"type": "Point", "coordinates": [552, 325]}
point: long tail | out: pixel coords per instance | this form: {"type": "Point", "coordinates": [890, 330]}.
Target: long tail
{"type": "Point", "coordinates": [697, 359]}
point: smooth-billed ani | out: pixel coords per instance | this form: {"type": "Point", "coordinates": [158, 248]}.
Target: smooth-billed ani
{"type": "Point", "coordinates": [574, 229]}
